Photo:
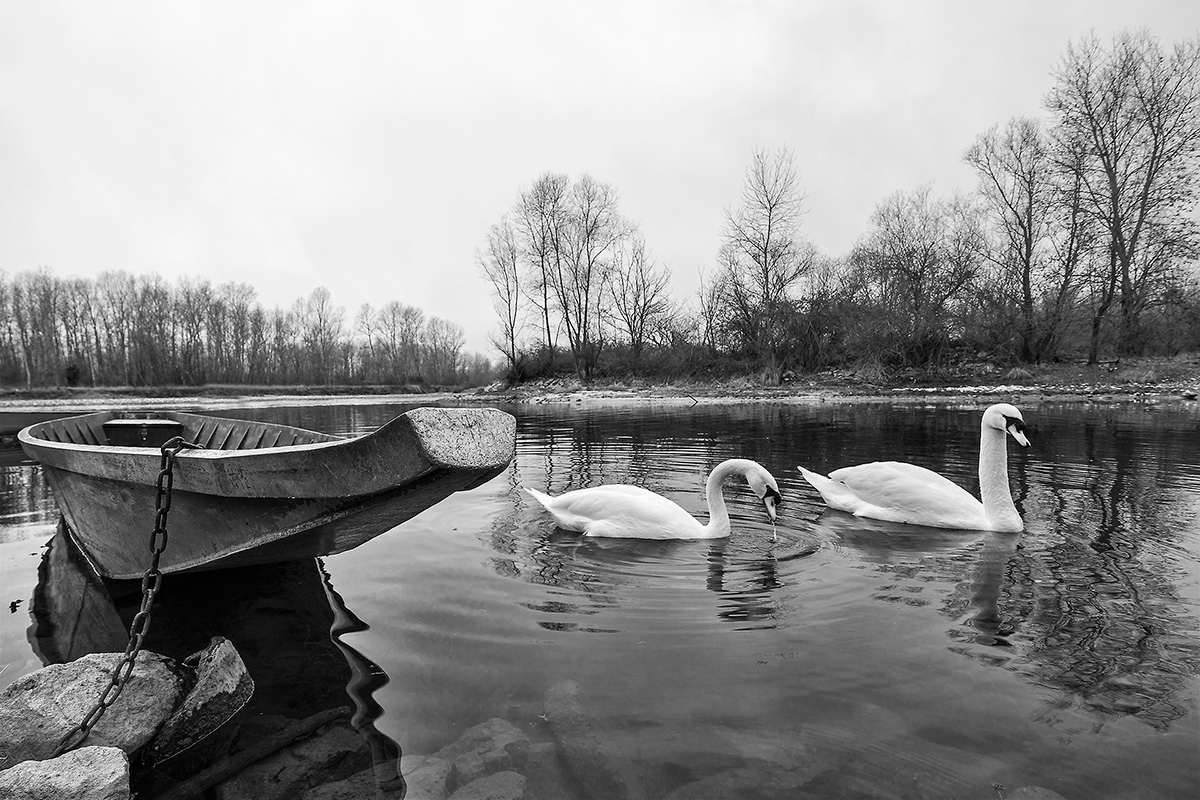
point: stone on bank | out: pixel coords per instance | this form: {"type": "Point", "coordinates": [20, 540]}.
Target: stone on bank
{"type": "Point", "coordinates": [162, 713]}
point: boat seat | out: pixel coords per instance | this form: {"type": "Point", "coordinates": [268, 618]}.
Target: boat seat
{"type": "Point", "coordinates": [141, 432]}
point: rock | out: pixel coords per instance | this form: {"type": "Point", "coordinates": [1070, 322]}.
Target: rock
{"type": "Point", "coordinates": [37, 710]}
{"type": "Point", "coordinates": [735, 784]}
{"type": "Point", "coordinates": [544, 770]}
{"type": "Point", "coordinates": [588, 758]}
{"type": "Point", "coordinates": [188, 741]}
{"type": "Point", "coordinates": [360, 785]}
{"type": "Point", "coordinates": [486, 748]}
{"type": "Point", "coordinates": [86, 773]}
{"type": "Point", "coordinates": [497, 786]}
{"type": "Point", "coordinates": [1033, 793]}
{"type": "Point", "coordinates": [428, 777]}
{"type": "Point", "coordinates": [335, 753]}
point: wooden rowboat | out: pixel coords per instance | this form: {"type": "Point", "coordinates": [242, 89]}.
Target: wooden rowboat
{"type": "Point", "coordinates": [256, 492]}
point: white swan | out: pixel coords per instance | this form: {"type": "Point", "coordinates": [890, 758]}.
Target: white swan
{"type": "Point", "coordinates": [906, 493]}
{"type": "Point", "coordinates": [635, 513]}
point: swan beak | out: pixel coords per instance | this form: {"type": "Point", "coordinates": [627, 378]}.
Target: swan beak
{"type": "Point", "coordinates": [770, 500]}
{"type": "Point", "coordinates": [1019, 435]}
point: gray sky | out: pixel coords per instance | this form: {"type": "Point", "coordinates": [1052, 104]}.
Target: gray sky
{"type": "Point", "coordinates": [368, 146]}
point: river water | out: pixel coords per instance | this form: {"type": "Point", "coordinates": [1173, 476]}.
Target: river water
{"type": "Point", "coordinates": [827, 655]}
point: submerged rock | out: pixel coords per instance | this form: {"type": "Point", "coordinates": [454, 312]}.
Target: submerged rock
{"type": "Point", "coordinates": [545, 771]}
{"type": "Point", "coordinates": [88, 773]}
{"type": "Point", "coordinates": [359, 786]}
{"type": "Point", "coordinates": [38, 709]}
{"type": "Point", "coordinates": [738, 784]}
{"type": "Point", "coordinates": [336, 753]}
{"type": "Point", "coordinates": [1033, 793]}
{"type": "Point", "coordinates": [428, 777]}
{"type": "Point", "coordinates": [486, 748]}
{"type": "Point", "coordinates": [497, 786]}
{"type": "Point", "coordinates": [588, 758]}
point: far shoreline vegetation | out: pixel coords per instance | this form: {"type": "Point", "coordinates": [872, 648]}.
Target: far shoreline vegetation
{"type": "Point", "coordinates": [1177, 375]}
{"type": "Point", "coordinates": [1080, 246]}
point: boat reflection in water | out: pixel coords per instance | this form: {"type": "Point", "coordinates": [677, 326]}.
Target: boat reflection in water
{"type": "Point", "coordinates": [285, 619]}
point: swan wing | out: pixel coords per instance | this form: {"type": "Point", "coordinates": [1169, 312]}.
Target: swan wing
{"type": "Point", "coordinates": [901, 492]}
{"type": "Point", "coordinates": [620, 511]}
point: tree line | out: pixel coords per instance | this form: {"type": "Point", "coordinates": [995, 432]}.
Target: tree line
{"type": "Point", "coordinates": [140, 330]}
{"type": "Point", "coordinates": [1081, 241]}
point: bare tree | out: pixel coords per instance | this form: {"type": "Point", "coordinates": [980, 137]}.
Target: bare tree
{"type": "Point", "coordinates": [639, 292]}
{"type": "Point", "coordinates": [35, 304]}
{"type": "Point", "coordinates": [1133, 115]}
{"type": "Point", "coordinates": [920, 256]}
{"type": "Point", "coordinates": [443, 342]}
{"type": "Point", "coordinates": [594, 229]}
{"type": "Point", "coordinates": [321, 329]}
{"type": "Point", "coordinates": [762, 257]}
{"type": "Point", "coordinates": [140, 330]}
{"type": "Point", "coordinates": [155, 334]}
{"type": "Point", "coordinates": [500, 263]}
{"type": "Point", "coordinates": [193, 298]}
{"type": "Point", "coordinates": [365, 329]}
{"type": "Point", "coordinates": [541, 217]}
{"type": "Point", "coordinates": [238, 300]}
{"type": "Point", "coordinates": [79, 344]}
{"type": "Point", "coordinates": [1019, 185]}
{"type": "Point", "coordinates": [710, 302]}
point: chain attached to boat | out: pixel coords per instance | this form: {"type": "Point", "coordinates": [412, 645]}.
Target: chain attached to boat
{"type": "Point", "coordinates": [151, 581]}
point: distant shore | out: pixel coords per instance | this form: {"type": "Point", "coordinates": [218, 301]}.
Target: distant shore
{"type": "Point", "coordinates": [1175, 378]}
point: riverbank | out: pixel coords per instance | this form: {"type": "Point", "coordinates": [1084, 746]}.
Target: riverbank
{"type": "Point", "coordinates": [1131, 379]}
{"type": "Point", "coordinates": [1162, 379]}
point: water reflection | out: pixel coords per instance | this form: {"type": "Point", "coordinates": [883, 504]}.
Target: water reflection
{"type": "Point", "coordinates": [1035, 657]}
{"type": "Point", "coordinates": [285, 620]}
{"type": "Point", "coordinates": [1095, 591]}
{"type": "Point", "coordinates": [25, 496]}
{"type": "Point", "coordinates": [592, 574]}
{"type": "Point", "coordinates": [882, 542]}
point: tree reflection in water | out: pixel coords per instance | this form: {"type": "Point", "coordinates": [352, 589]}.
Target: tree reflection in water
{"type": "Point", "coordinates": [1087, 600]}
{"type": "Point", "coordinates": [1091, 600]}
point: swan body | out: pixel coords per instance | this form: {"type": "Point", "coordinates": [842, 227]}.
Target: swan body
{"type": "Point", "coordinates": [899, 492]}
{"type": "Point", "coordinates": [632, 512]}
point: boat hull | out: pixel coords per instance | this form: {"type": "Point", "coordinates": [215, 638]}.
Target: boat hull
{"type": "Point", "coordinates": [240, 507]}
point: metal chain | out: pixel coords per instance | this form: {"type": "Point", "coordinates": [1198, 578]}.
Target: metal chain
{"type": "Point", "coordinates": [151, 582]}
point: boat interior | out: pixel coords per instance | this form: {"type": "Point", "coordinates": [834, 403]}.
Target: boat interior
{"type": "Point", "coordinates": [153, 429]}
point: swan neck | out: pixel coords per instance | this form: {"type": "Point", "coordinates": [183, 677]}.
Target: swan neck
{"type": "Point", "coordinates": [994, 491]}
{"type": "Point", "coordinates": [718, 514]}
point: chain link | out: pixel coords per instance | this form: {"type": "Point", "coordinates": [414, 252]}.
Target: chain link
{"type": "Point", "coordinates": [151, 581]}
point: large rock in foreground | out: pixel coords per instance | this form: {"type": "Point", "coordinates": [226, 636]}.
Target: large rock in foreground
{"type": "Point", "coordinates": [37, 710]}
{"type": "Point", "coordinates": [89, 773]}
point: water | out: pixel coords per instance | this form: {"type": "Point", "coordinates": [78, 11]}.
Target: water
{"type": "Point", "coordinates": [828, 655]}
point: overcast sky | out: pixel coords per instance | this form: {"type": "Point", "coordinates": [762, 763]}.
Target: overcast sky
{"type": "Point", "coordinates": [368, 146]}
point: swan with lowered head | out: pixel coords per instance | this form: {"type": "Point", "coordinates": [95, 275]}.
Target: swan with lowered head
{"type": "Point", "coordinates": [631, 512]}
{"type": "Point", "coordinates": [899, 492]}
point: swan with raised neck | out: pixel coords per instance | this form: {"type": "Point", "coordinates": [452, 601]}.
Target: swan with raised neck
{"type": "Point", "coordinates": [900, 492]}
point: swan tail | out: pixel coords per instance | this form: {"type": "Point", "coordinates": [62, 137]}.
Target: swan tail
{"type": "Point", "coordinates": [831, 491]}
{"type": "Point", "coordinates": [541, 497]}
{"type": "Point", "coordinates": [817, 481]}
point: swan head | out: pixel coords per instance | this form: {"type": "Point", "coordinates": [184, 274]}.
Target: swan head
{"type": "Point", "coordinates": [1007, 418]}
{"type": "Point", "coordinates": [763, 484]}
